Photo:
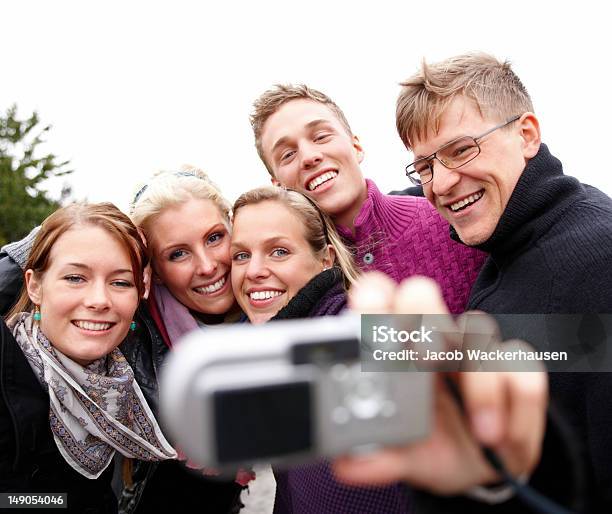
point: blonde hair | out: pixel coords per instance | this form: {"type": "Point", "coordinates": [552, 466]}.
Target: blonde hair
{"type": "Point", "coordinates": [491, 84]}
{"type": "Point", "coordinates": [102, 215]}
{"type": "Point", "coordinates": [319, 230]}
{"type": "Point", "coordinates": [170, 189]}
{"type": "Point", "coordinates": [273, 99]}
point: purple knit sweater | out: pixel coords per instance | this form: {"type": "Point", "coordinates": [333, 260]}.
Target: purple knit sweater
{"type": "Point", "coordinates": [403, 236]}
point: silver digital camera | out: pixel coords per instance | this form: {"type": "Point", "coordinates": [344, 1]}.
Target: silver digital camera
{"type": "Point", "coordinates": [286, 392]}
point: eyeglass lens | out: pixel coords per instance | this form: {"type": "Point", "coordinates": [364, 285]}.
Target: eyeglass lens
{"type": "Point", "coordinates": [455, 154]}
{"type": "Point", "coordinates": [458, 152]}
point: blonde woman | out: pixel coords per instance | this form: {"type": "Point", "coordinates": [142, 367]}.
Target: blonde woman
{"type": "Point", "coordinates": [288, 262]}
{"type": "Point", "coordinates": [287, 258]}
{"type": "Point", "coordinates": [186, 223]}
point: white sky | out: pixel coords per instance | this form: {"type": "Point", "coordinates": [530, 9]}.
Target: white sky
{"type": "Point", "coordinates": [133, 87]}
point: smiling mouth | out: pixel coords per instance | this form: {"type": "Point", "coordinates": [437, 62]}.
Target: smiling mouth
{"type": "Point", "coordinates": [212, 288]}
{"type": "Point", "coordinates": [92, 326]}
{"type": "Point", "coordinates": [466, 202]}
{"type": "Point", "coordinates": [264, 295]}
{"type": "Point", "coordinates": [321, 179]}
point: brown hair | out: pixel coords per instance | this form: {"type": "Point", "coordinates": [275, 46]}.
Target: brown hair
{"type": "Point", "coordinates": [491, 84]}
{"type": "Point", "coordinates": [319, 230]}
{"type": "Point", "coordinates": [272, 100]}
{"type": "Point", "coordinates": [103, 215]}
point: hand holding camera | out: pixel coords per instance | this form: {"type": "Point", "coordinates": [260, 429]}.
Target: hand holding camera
{"type": "Point", "coordinates": [505, 411]}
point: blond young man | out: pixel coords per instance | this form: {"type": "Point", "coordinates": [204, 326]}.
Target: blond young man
{"type": "Point", "coordinates": [478, 154]}
{"type": "Point", "coordinates": [306, 143]}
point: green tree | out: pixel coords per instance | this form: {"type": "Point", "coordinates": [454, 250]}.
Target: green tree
{"type": "Point", "coordinates": [23, 203]}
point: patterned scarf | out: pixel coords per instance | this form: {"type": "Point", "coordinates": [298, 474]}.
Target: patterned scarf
{"type": "Point", "coordinates": [94, 410]}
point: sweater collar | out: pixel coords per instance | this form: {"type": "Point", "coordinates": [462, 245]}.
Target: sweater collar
{"type": "Point", "coordinates": [541, 196]}
{"type": "Point", "coordinates": [377, 207]}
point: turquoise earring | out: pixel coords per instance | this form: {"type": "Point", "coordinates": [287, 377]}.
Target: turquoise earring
{"type": "Point", "coordinates": [37, 315]}
{"type": "Point", "coordinates": [133, 326]}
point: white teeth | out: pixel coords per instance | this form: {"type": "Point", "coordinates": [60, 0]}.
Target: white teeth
{"type": "Point", "coordinates": [213, 287]}
{"type": "Point", "coordinates": [314, 183]}
{"type": "Point", "coordinates": [264, 295]}
{"type": "Point", "coordinates": [90, 325]}
{"type": "Point", "coordinates": [466, 201]}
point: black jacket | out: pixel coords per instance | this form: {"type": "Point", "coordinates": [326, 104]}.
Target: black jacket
{"type": "Point", "coordinates": [29, 458]}
{"type": "Point", "coordinates": [551, 252]}
{"type": "Point", "coordinates": [409, 191]}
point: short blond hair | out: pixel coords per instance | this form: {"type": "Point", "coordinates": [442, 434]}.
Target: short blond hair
{"type": "Point", "coordinates": [319, 230]}
{"type": "Point", "coordinates": [491, 84]}
{"type": "Point", "coordinates": [273, 99]}
{"type": "Point", "coordinates": [170, 189]}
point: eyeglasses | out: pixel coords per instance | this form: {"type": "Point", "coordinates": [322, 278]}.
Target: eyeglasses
{"type": "Point", "coordinates": [452, 155]}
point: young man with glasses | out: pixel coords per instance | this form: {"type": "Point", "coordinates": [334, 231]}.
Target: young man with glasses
{"type": "Point", "coordinates": [469, 122]}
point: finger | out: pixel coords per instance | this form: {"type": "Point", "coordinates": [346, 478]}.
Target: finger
{"type": "Point", "coordinates": [372, 294]}
{"type": "Point", "coordinates": [480, 332]}
{"type": "Point", "coordinates": [419, 295]}
{"type": "Point", "coordinates": [485, 394]}
{"type": "Point", "coordinates": [380, 468]}
{"type": "Point", "coordinates": [528, 400]}
{"type": "Point", "coordinates": [486, 403]}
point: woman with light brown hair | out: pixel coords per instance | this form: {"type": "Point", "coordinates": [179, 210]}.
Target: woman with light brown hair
{"type": "Point", "coordinates": [288, 262]}
{"type": "Point", "coordinates": [70, 399]}
{"type": "Point", "coordinates": [282, 243]}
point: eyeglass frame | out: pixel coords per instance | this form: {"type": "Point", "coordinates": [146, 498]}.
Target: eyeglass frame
{"type": "Point", "coordinates": [430, 158]}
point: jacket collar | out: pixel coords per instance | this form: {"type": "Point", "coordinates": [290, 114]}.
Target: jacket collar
{"type": "Point", "coordinates": [324, 288]}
